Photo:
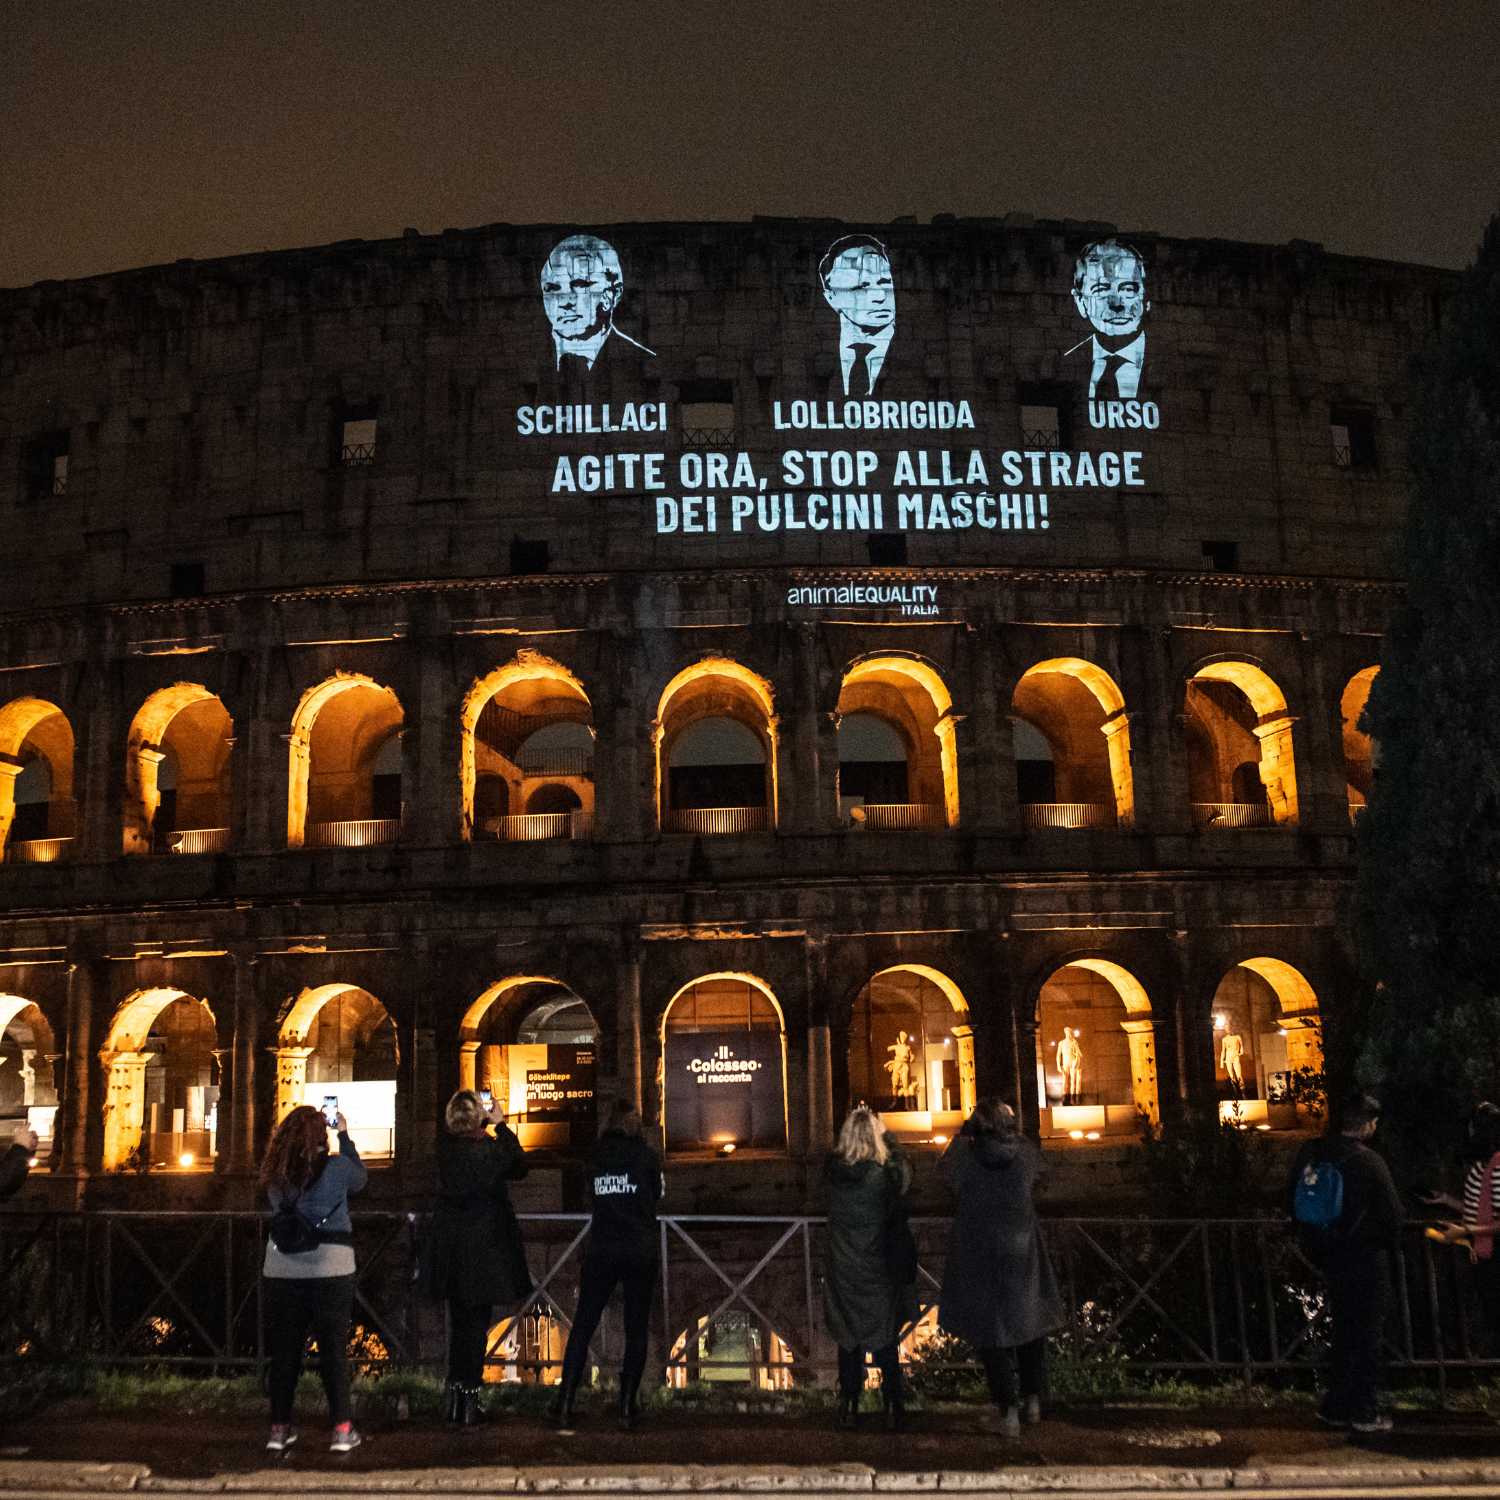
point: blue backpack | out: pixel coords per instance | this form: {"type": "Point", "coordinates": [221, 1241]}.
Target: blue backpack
{"type": "Point", "coordinates": [1318, 1200]}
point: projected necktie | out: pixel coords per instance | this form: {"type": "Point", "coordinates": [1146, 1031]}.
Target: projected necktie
{"type": "Point", "coordinates": [859, 371]}
{"type": "Point", "coordinates": [573, 366]}
{"type": "Point", "coordinates": [1108, 388]}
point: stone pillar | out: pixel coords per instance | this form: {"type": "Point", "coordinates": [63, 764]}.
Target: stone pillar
{"type": "Point", "coordinates": [10, 769]}
{"type": "Point", "coordinates": [124, 1106]}
{"type": "Point", "coordinates": [797, 1075]}
{"type": "Point", "coordinates": [807, 779]}
{"type": "Point", "coordinates": [1121, 767]}
{"type": "Point", "coordinates": [998, 1037]}
{"type": "Point", "coordinates": [987, 773]}
{"type": "Point", "coordinates": [628, 1028]}
{"type": "Point", "coordinates": [260, 770]}
{"type": "Point", "coordinates": [1191, 1036]}
{"type": "Point", "coordinates": [1156, 731]}
{"type": "Point", "coordinates": [430, 744]}
{"type": "Point", "coordinates": [240, 1159]}
{"type": "Point", "coordinates": [468, 1067]}
{"type": "Point", "coordinates": [141, 797]}
{"type": "Point", "coordinates": [1318, 750]}
{"type": "Point", "coordinates": [624, 767]}
{"type": "Point", "coordinates": [1140, 1032]}
{"type": "Point", "coordinates": [819, 1088]}
{"type": "Point", "coordinates": [291, 1078]}
{"type": "Point", "coordinates": [99, 788]}
{"type": "Point", "coordinates": [71, 1133]}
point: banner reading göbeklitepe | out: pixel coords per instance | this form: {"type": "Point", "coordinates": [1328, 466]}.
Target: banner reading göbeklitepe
{"type": "Point", "coordinates": [879, 447]}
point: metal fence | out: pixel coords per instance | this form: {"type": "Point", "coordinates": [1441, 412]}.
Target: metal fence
{"type": "Point", "coordinates": [739, 1297]}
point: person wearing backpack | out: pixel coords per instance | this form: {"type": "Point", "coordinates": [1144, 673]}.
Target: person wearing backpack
{"type": "Point", "coordinates": [869, 1291]}
{"type": "Point", "coordinates": [1348, 1217]}
{"type": "Point", "coordinates": [308, 1273]}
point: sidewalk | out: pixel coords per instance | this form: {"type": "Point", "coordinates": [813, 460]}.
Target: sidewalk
{"type": "Point", "coordinates": [1117, 1451]}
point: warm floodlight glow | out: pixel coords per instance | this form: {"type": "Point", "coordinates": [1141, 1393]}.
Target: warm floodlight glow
{"type": "Point", "coordinates": [727, 1149]}
{"type": "Point", "coordinates": [186, 1159]}
{"type": "Point", "coordinates": [1221, 1021]}
{"type": "Point", "coordinates": [1093, 1135]}
{"type": "Point", "coordinates": [940, 1140]}
{"type": "Point", "coordinates": [1075, 1135]}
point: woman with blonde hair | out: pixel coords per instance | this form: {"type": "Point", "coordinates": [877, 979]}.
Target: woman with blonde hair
{"type": "Point", "coordinates": [475, 1260]}
{"type": "Point", "coordinates": [869, 1291]}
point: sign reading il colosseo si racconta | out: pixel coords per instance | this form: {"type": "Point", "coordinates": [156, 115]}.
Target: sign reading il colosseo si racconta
{"type": "Point", "coordinates": [827, 475]}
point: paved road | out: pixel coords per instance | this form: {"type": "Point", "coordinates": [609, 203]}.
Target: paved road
{"type": "Point", "coordinates": [1105, 1451]}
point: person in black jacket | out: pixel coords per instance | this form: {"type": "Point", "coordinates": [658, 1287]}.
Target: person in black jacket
{"type": "Point", "coordinates": [999, 1293]}
{"type": "Point", "coordinates": [1354, 1255]}
{"type": "Point", "coordinates": [866, 1299]}
{"type": "Point", "coordinates": [475, 1259]}
{"type": "Point", "coordinates": [625, 1185]}
{"type": "Point", "coordinates": [16, 1162]}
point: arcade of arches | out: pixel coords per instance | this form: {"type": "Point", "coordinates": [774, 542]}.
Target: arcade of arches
{"type": "Point", "coordinates": [527, 752]}
{"type": "Point", "coordinates": [730, 1076]}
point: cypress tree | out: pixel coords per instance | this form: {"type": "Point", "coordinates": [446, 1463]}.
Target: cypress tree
{"type": "Point", "coordinates": [1428, 890]}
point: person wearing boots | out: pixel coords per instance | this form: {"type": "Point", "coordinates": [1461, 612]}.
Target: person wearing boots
{"type": "Point", "coordinates": [475, 1261]}
{"type": "Point", "coordinates": [625, 1184]}
{"type": "Point", "coordinates": [867, 1296]}
{"type": "Point", "coordinates": [999, 1293]}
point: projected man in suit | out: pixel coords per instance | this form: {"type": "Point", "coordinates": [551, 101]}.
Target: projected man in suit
{"type": "Point", "coordinates": [857, 284]}
{"type": "Point", "coordinates": [581, 287]}
{"type": "Point", "coordinates": [1109, 291]}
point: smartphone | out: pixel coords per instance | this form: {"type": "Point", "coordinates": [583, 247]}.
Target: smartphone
{"type": "Point", "coordinates": [487, 1099]}
{"type": "Point", "coordinates": [331, 1110]}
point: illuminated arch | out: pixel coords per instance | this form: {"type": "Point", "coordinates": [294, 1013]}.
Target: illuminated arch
{"type": "Point", "coordinates": [962, 1028]}
{"type": "Point", "coordinates": [1272, 730]}
{"type": "Point", "coordinates": [145, 751]}
{"type": "Point", "coordinates": [732, 976]}
{"type": "Point", "coordinates": [877, 670]}
{"type": "Point", "coordinates": [763, 720]}
{"type": "Point", "coordinates": [527, 667]}
{"type": "Point", "coordinates": [1140, 1035]}
{"type": "Point", "coordinates": [125, 1058]}
{"type": "Point", "coordinates": [18, 720]}
{"type": "Point", "coordinates": [299, 743]}
{"type": "Point", "coordinates": [1114, 723]}
{"type": "Point", "coordinates": [294, 1051]}
{"type": "Point", "coordinates": [1359, 747]}
{"type": "Point", "coordinates": [1297, 1021]}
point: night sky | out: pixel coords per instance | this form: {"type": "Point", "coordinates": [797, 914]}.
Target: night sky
{"type": "Point", "coordinates": [140, 131]}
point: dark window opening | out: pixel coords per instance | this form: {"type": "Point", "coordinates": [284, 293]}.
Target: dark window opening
{"type": "Point", "coordinates": [691, 787]}
{"type": "Point", "coordinates": [706, 413]}
{"type": "Point", "coordinates": [1222, 557]}
{"type": "Point", "coordinates": [1036, 781]}
{"type": "Point", "coordinates": [355, 431]}
{"type": "Point", "coordinates": [385, 795]}
{"type": "Point", "coordinates": [188, 581]}
{"type": "Point", "coordinates": [887, 549]}
{"type": "Point", "coordinates": [878, 781]}
{"type": "Point", "coordinates": [1045, 416]}
{"type": "Point", "coordinates": [1352, 429]}
{"type": "Point", "coordinates": [46, 466]}
{"type": "Point", "coordinates": [530, 554]}
{"type": "Point", "coordinates": [29, 822]}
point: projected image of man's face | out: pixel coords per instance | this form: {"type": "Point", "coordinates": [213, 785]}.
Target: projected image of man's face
{"type": "Point", "coordinates": [1109, 289]}
{"type": "Point", "coordinates": [859, 286]}
{"type": "Point", "coordinates": [581, 285]}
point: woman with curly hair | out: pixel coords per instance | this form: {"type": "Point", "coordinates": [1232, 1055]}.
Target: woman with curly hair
{"type": "Point", "coordinates": [308, 1272]}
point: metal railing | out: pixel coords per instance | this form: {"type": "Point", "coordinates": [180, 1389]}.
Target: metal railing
{"type": "Point", "coordinates": [1343, 456]}
{"type": "Point", "coordinates": [561, 762]}
{"type": "Point", "coordinates": [1040, 437]}
{"type": "Point", "coordinates": [530, 828]}
{"type": "Point", "coordinates": [715, 820]}
{"type": "Point", "coordinates": [897, 815]}
{"type": "Point", "coordinates": [36, 851]}
{"type": "Point", "coordinates": [709, 437]}
{"type": "Point", "coordinates": [1038, 815]}
{"type": "Point", "coordinates": [1206, 1297]}
{"type": "Point", "coordinates": [356, 455]}
{"type": "Point", "coordinates": [194, 841]}
{"type": "Point", "coordinates": [1231, 815]}
{"type": "Point", "coordinates": [355, 834]}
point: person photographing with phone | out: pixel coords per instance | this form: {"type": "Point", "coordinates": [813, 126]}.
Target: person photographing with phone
{"type": "Point", "coordinates": [16, 1162]}
{"type": "Point", "coordinates": [475, 1261]}
{"type": "Point", "coordinates": [308, 1271]}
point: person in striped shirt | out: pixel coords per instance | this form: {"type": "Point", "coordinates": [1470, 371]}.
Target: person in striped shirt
{"type": "Point", "coordinates": [1479, 1208]}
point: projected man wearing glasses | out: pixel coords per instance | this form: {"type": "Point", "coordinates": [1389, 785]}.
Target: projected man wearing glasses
{"type": "Point", "coordinates": [857, 284]}
{"type": "Point", "coordinates": [1109, 291]}
{"type": "Point", "coordinates": [581, 287]}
